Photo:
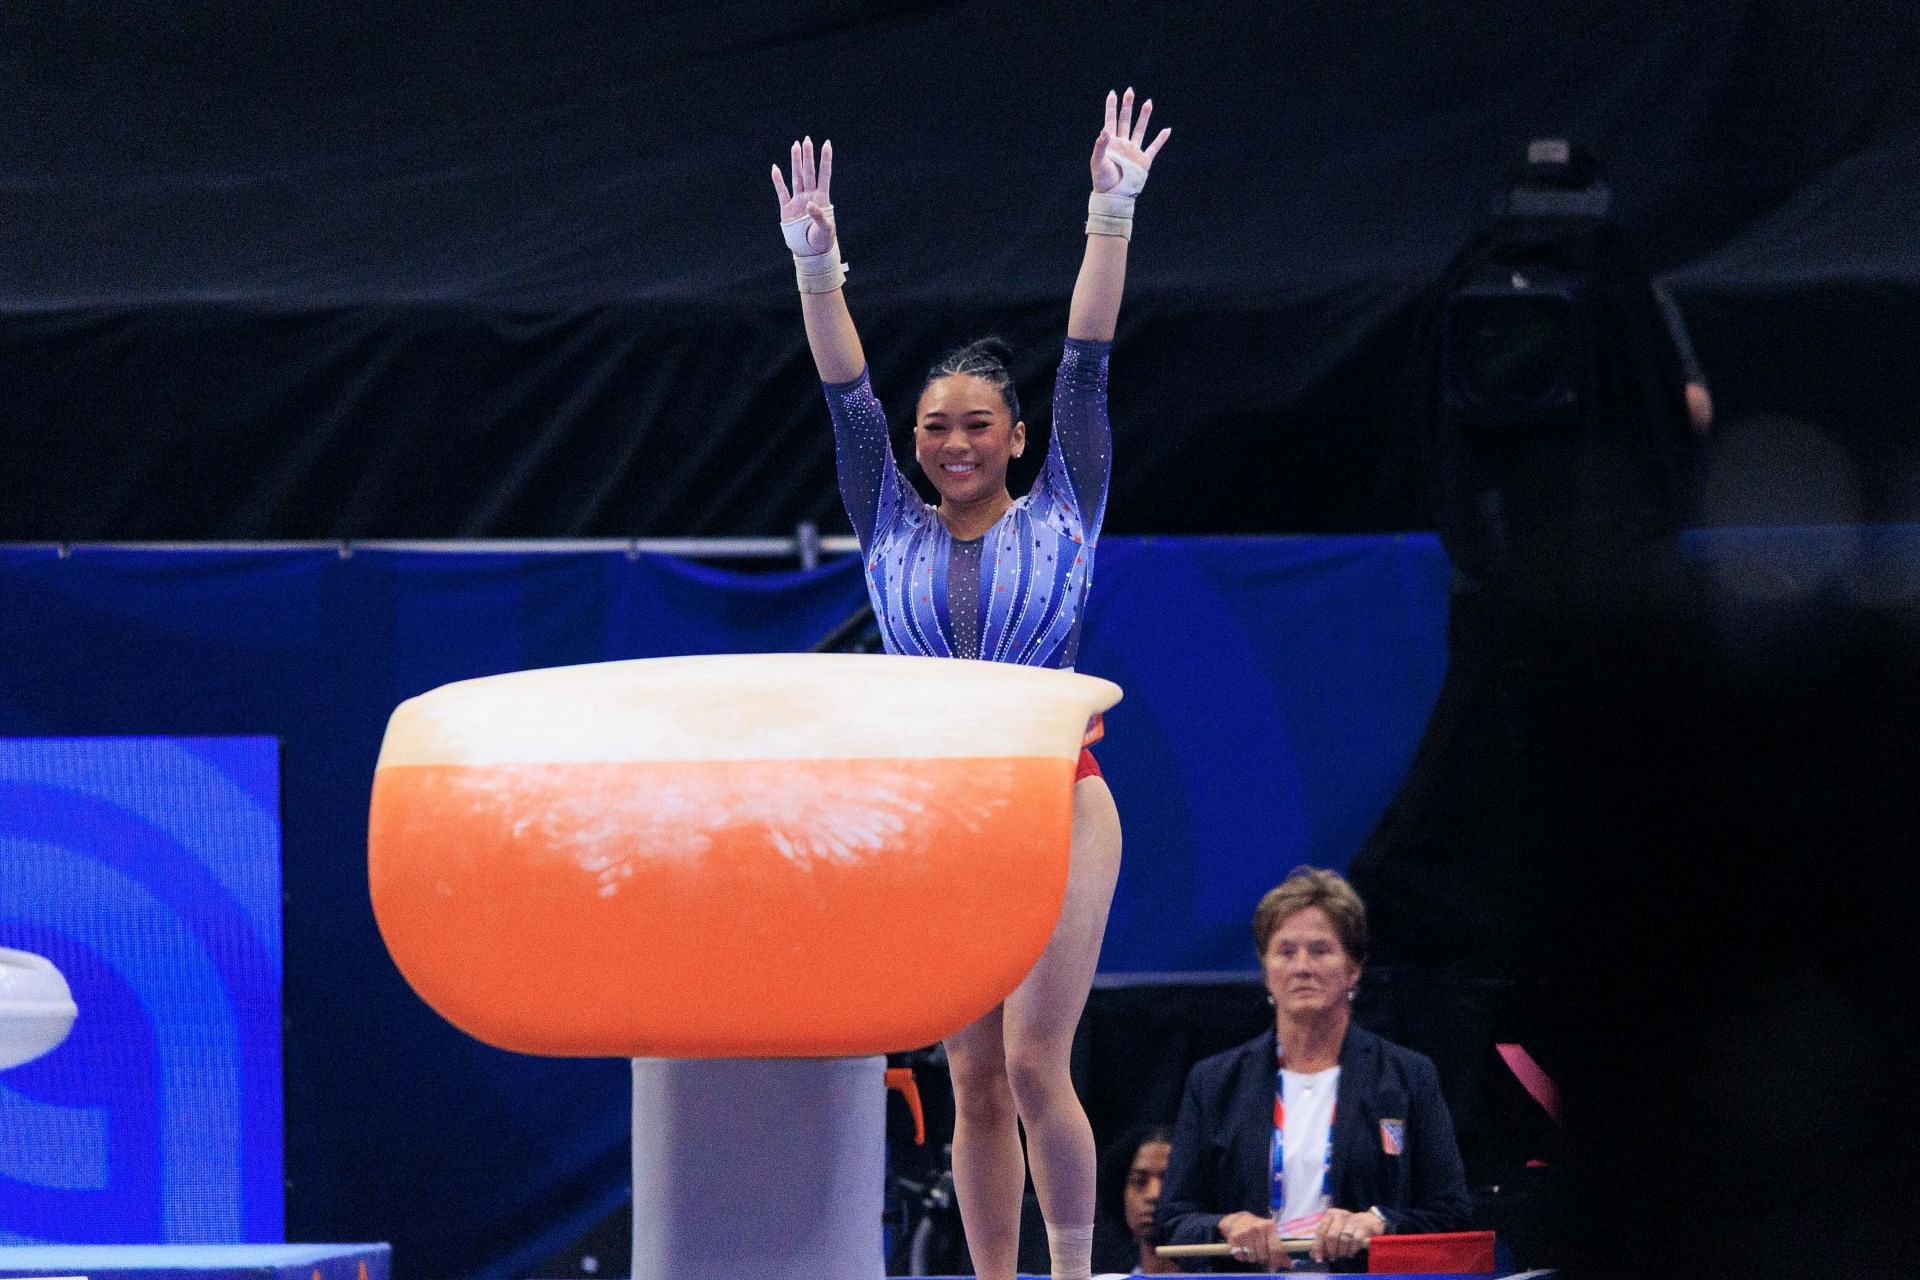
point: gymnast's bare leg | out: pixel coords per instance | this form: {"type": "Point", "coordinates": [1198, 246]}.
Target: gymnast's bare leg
{"type": "Point", "coordinates": [1013, 1064]}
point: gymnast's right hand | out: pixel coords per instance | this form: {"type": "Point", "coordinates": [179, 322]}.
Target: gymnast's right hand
{"type": "Point", "coordinates": [806, 209]}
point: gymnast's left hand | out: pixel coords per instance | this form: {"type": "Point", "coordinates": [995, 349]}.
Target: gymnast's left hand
{"type": "Point", "coordinates": [806, 209]}
{"type": "Point", "coordinates": [1121, 155]}
{"type": "Point", "coordinates": [1342, 1234]}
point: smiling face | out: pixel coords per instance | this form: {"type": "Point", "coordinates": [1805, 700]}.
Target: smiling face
{"type": "Point", "coordinates": [1144, 1178]}
{"type": "Point", "coordinates": [1308, 970]}
{"type": "Point", "coordinates": [964, 438]}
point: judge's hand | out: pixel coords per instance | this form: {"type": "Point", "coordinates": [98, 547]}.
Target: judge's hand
{"type": "Point", "coordinates": [1121, 155]}
{"type": "Point", "coordinates": [1254, 1240]}
{"type": "Point", "coordinates": [1342, 1234]}
{"type": "Point", "coordinates": [809, 198]}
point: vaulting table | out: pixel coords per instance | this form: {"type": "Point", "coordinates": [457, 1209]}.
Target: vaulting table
{"type": "Point", "coordinates": [752, 875]}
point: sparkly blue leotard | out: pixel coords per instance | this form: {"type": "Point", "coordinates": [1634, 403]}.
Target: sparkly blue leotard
{"type": "Point", "coordinates": [1015, 594]}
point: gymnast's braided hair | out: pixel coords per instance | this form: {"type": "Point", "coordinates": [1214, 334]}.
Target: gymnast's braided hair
{"type": "Point", "coordinates": [984, 358]}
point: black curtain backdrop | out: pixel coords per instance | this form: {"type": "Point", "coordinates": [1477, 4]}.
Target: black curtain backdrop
{"type": "Point", "coordinates": [507, 269]}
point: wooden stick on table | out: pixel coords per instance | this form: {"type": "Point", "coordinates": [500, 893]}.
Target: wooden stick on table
{"type": "Point", "coordinates": [1221, 1249]}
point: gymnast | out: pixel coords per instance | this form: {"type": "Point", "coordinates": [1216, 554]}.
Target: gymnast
{"type": "Point", "coordinates": [986, 576]}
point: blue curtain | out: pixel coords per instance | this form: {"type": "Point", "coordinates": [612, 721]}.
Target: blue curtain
{"type": "Point", "coordinates": [1275, 689]}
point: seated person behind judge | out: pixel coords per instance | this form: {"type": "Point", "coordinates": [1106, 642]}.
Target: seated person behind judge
{"type": "Point", "coordinates": [1131, 1174]}
{"type": "Point", "coordinates": [1318, 1128]}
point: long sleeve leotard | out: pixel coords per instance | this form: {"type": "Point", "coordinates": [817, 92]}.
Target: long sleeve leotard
{"type": "Point", "coordinates": [1016, 593]}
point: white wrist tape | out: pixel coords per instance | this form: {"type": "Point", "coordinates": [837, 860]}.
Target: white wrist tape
{"type": "Point", "coordinates": [820, 272]}
{"type": "Point", "coordinates": [1110, 212]}
{"type": "Point", "coordinates": [1110, 215]}
{"type": "Point", "coordinates": [816, 272]}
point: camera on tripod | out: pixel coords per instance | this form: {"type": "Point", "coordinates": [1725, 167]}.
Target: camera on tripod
{"type": "Point", "coordinates": [1517, 330]}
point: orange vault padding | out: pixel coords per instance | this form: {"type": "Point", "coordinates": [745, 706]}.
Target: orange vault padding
{"type": "Point", "coordinates": [792, 855]}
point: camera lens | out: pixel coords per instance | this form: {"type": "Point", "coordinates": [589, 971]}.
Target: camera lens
{"type": "Point", "coordinates": [1513, 355]}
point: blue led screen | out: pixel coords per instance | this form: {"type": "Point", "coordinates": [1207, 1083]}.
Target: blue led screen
{"type": "Point", "coordinates": [148, 871]}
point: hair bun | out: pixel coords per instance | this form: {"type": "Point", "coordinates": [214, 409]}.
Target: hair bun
{"type": "Point", "coordinates": [987, 358]}
{"type": "Point", "coordinates": [990, 348]}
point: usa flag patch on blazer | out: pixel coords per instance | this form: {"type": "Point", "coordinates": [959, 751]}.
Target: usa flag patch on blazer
{"type": "Point", "coordinates": [1393, 1134]}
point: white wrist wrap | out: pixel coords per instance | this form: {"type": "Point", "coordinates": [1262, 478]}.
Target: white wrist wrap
{"type": "Point", "coordinates": [816, 272]}
{"type": "Point", "coordinates": [819, 272]}
{"type": "Point", "coordinates": [1110, 215]}
{"type": "Point", "coordinates": [1110, 212]}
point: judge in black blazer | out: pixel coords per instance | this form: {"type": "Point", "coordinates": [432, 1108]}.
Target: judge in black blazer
{"type": "Point", "coordinates": [1368, 1145]}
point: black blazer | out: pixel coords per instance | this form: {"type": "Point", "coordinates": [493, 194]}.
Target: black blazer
{"type": "Point", "coordinates": [1222, 1141]}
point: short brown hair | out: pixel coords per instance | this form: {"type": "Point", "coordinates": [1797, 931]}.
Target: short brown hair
{"type": "Point", "coordinates": [1314, 887]}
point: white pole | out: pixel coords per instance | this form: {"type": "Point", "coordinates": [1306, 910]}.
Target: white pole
{"type": "Point", "coordinates": [758, 1167]}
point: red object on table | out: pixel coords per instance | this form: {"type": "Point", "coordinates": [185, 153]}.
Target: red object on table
{"type": "Point", "coordinates": [1442, 1252]}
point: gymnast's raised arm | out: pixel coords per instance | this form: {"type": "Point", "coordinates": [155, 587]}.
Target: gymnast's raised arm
{"type": "Point", "coordinates": [806, 220]}
{"type": "Point", "coordinates": [871, 486]}
{"type": "Point", "coordinates": [1079, 452]}
{"type": "Point", "coordinates": [1121, 159]}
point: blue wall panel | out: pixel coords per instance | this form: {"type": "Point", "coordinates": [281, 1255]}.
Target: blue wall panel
{"type": "Point", "coordinates": [1275, 689]}
{"type": "Point", "coordinates": [148, 870]}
